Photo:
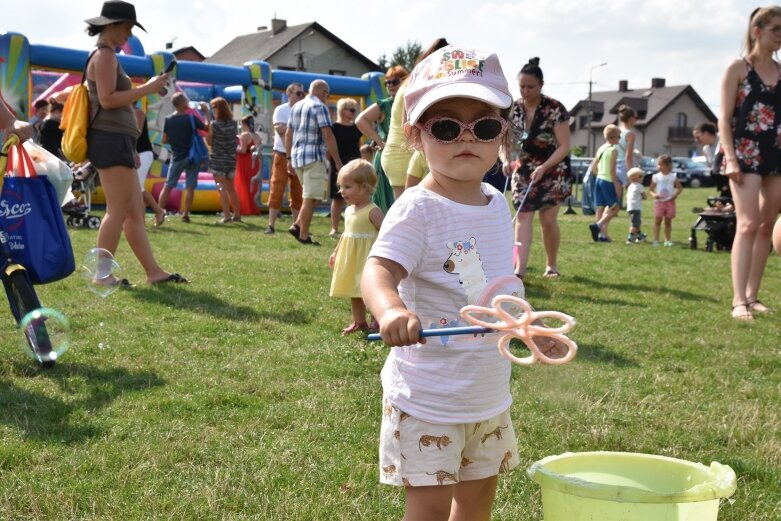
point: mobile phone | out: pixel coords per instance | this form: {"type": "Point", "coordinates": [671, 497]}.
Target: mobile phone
{"type": "Point", "coordinates": [170, 67]}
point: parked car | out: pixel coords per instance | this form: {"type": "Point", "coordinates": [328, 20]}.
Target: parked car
{"type": "Point", "coordinates": [692, 173]}
{"type": "Point", "coordinates": [648, 165]}
{"type": "Point", "coordinates": [580, 166]}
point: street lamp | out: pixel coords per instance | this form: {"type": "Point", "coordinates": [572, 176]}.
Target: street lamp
{"type": "Point", "coordinates": [591, 110]}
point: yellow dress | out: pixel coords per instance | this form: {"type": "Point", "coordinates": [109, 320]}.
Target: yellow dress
{"type": "Point", "coordinates": [357, 239]}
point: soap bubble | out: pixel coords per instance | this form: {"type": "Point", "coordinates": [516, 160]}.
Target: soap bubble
{"type": "Point", "coordinates": [101, 272]}
{"type": "Point", "coordinates": [45, 335]}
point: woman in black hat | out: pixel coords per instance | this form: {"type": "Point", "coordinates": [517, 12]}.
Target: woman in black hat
{"type": "Point", "coordinates": [112, 137]}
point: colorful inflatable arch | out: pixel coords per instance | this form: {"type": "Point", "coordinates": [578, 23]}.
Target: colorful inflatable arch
{"type": "Point", "coordinates": [252, 86]}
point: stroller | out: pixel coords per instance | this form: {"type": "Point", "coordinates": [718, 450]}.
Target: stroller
{"type": "Point", "coordinates": [718, 220]}
{"type": "Point", "coordinates": [84, 182]}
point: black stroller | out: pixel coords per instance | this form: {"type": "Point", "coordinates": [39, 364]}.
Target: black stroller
{"type": "Point", "coordinates": [718, 220]}
{"type": "Point", "coordinates": [84, 183]}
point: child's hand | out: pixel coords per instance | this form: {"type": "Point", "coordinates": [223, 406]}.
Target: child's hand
{"type": "Point", "coordinates": [332, 260]}
{"type": "Point", "coordinates": [400, 327]}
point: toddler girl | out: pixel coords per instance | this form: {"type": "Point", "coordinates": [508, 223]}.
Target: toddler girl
{"type": "Point", "coordinates": [363, 218]}
{"type": "Point", "coordinates": [446, 430]}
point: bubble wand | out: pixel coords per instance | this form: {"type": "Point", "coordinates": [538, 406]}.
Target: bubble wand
{"type": "Point", "coordinates": [513, 316]}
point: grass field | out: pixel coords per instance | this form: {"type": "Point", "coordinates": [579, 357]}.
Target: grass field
{"type": "Point", "coordinates": [234, 397]}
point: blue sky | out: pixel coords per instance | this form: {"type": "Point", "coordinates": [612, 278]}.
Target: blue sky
{"type": "Point", "coordinates": [683, 41]}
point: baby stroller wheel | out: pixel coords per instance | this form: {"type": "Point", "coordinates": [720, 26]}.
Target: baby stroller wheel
{"type": "Point", "coordinates": [693, 241]}
{"type": "Point", "coordinates": [709, 245]}
{"type": "Point", "coordinates": [93, 222]}
{"type": "Point", "coordinates": [23, 300]}
{"type": "Point", "coordinates": [69, 221]}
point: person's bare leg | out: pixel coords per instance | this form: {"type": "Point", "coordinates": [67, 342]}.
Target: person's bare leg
{"type": "Point", "coordinates": [523, 235]}
{"type": "Point", "coordinates": [149, 201]}
{"type": "Point", "coordinates": [305, 218]}
{"type": "Point", "coordinates": [746, 200]}
{"type": "Point", "coordinates": [551, 237]}
{"type": "Point", "coordinates": [189, 194]}
{"type": "Point", "coordinates": [125, 212]}
{"type": "Point", "coordinates": [162, 200]}
{"type": "Point", "coordinates": [473, 500]}
{"type": "Point", "coordinates": [397, 191]}
{"type": "Point", "coordinates": [428, 503]}
{"type": "Point", "coordinates": [336, 214]}
{"type": "Point", "coordinates": [224, 202]}
{"type": "Point", "coordinates": [769, 207]}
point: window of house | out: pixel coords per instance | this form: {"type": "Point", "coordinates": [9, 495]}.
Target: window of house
{"type": "Point", "coordinates": [285, 68]}
{"type": "Point", "coordinates": [583, 121]}
{"type": "Point", "coordinates": [682, 120]}
{"type": "Point", "coordinates": [337, 72]}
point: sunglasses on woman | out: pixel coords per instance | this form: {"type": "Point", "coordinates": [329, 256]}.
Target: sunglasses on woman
{"type": "Point", "coordinates": [393, 82]}
{"type": "Point", "coordinates": [447, 130]}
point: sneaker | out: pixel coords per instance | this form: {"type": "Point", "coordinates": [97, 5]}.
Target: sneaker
{"type": "Point", "coordinates": [270, 230]}
{"type": "Point", "coordinates": [223, 221]}
{"type": "Point", "coordinates": [604, 239]}
{"type": "Point", "coordinates": [631, 241]}
{"type": "Point", "coordinates": [668, 243]}
{"type": "Point", "coordinates": [594, 229]}
{"type": "Point", "coordinates": [641, 237]}
{"type": "Point", "coordinates": [655, 243]}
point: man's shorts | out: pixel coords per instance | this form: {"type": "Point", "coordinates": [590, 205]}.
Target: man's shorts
{"type": "Point", "coordinates": [605, 194]}
{"type": "Point", "coordinates": [313, 178]}
{"type": "Point", "coordinates": [665, 209]}
{"type": "Point", "coordinates": [176, 168]}
{"type": "Point", "coordinates": [416, 453]}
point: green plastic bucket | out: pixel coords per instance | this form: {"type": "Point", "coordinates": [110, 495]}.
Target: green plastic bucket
{"type": "Point", "coordinates": [621, 486]}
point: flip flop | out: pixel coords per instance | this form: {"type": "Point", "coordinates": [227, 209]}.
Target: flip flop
{"type": "Point", "coordinates": [173, 277]}
{"type": "Point", "coordinates": [551, 274]}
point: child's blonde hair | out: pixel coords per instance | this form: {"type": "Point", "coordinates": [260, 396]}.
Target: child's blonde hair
{"type": "Point", "coordinates": [634, 173]}
{"type": "Point", "coordinates": [361, 172]}
{"type": "Point", "coordinates": [610, 131]}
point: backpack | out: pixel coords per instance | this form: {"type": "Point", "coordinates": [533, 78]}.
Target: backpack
{"type": "Point", "coordinates": [198, 153]}
{"type": "Point", "coordinates": [75, 120]}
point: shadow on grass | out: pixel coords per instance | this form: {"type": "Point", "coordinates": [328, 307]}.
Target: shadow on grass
{"type": "Point", "coordinates": [63, 415]}
{"type": "Point", "coordinates": [628, 287]}
{"type": "Point", "coordinates": [180, 296]}
{"type": "Point", "coordinates": [603, 355]}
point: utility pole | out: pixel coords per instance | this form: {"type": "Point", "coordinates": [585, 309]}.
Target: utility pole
{"type": "Point", "coordinates": [589, 146]}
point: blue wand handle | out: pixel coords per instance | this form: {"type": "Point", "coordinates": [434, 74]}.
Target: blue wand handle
{"type": "Point", "coordinates": [445, 331]}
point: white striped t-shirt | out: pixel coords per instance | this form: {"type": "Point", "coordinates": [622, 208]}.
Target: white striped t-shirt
{"type": "Point", "coordinates": [450, 251]}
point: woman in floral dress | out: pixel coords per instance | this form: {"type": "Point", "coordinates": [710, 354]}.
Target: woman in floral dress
{"type": "Point", "coordinates": [542, 124]}
{"type": "Point", "coordinates": [750, 127]}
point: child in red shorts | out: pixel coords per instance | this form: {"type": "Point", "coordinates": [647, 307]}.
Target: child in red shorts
{"type": "Point", "coordinates": [665, 188]}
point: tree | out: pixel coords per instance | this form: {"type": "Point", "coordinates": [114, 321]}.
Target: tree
{"type": "Point", "coordinates": [404, 55]}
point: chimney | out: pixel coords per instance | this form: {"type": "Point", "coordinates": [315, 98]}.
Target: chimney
{"type": "Point", "coordinates": [657, 83]}
{"type": "Point", "coordinates": [623, 85]}
{"type": "Point", "coordinates": [278, 25]}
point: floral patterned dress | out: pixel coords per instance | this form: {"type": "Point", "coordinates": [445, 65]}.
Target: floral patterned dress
{"type": "Point", "coordinates": [534, 146]}
{"type": "Point", "coordinates": [756, 125]}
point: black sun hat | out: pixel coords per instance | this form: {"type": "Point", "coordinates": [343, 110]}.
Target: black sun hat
{"type": "Point", "coordinates": [115, 11]}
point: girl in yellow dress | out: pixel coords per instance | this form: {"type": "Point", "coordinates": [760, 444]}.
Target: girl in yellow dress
{"type": "Point", "coordinates": [363, 218]}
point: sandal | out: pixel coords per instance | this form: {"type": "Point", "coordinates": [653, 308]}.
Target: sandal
{"type": "Point", "coordinates": [309, 241]}
{"type": "Point", "coordinates": [758, 307]}
{"type": "Point", "coordinates": [173, 277]}
{"type": "Point", "coordinates": [185, 218]}
{"type": "Point", "coordinates": [159, 221]}
{"type": "Point", "coordinates": [295, 231]}
{"type": "Point", "coordinates": [122, 283]}
{"type": "Point", "coordinates": [352, 328]}
{"type": "Point", "coordinates": [746, 315]}
{"type": "Point", "coordinates": [551, 274]}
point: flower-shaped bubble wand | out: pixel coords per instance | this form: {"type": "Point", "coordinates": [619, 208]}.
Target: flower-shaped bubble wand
{"type": "Point", "coordinates": [548, 345]}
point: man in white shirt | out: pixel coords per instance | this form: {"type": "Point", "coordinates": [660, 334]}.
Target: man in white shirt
{"type": "Point", "coordinates": [280, 178]}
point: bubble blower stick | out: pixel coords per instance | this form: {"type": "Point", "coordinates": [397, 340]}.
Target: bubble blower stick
{"type": "Point", "coordinates": [510, 314]}
{"type": "Point", "coordinates": [523, 199]}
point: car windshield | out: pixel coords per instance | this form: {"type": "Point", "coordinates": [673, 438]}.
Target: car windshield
{"type": "Point", "coordinates": [688, 162]}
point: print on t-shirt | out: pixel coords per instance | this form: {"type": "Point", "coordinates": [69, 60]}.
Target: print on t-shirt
{"type": "Point", "coordinates": [464, 261]}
